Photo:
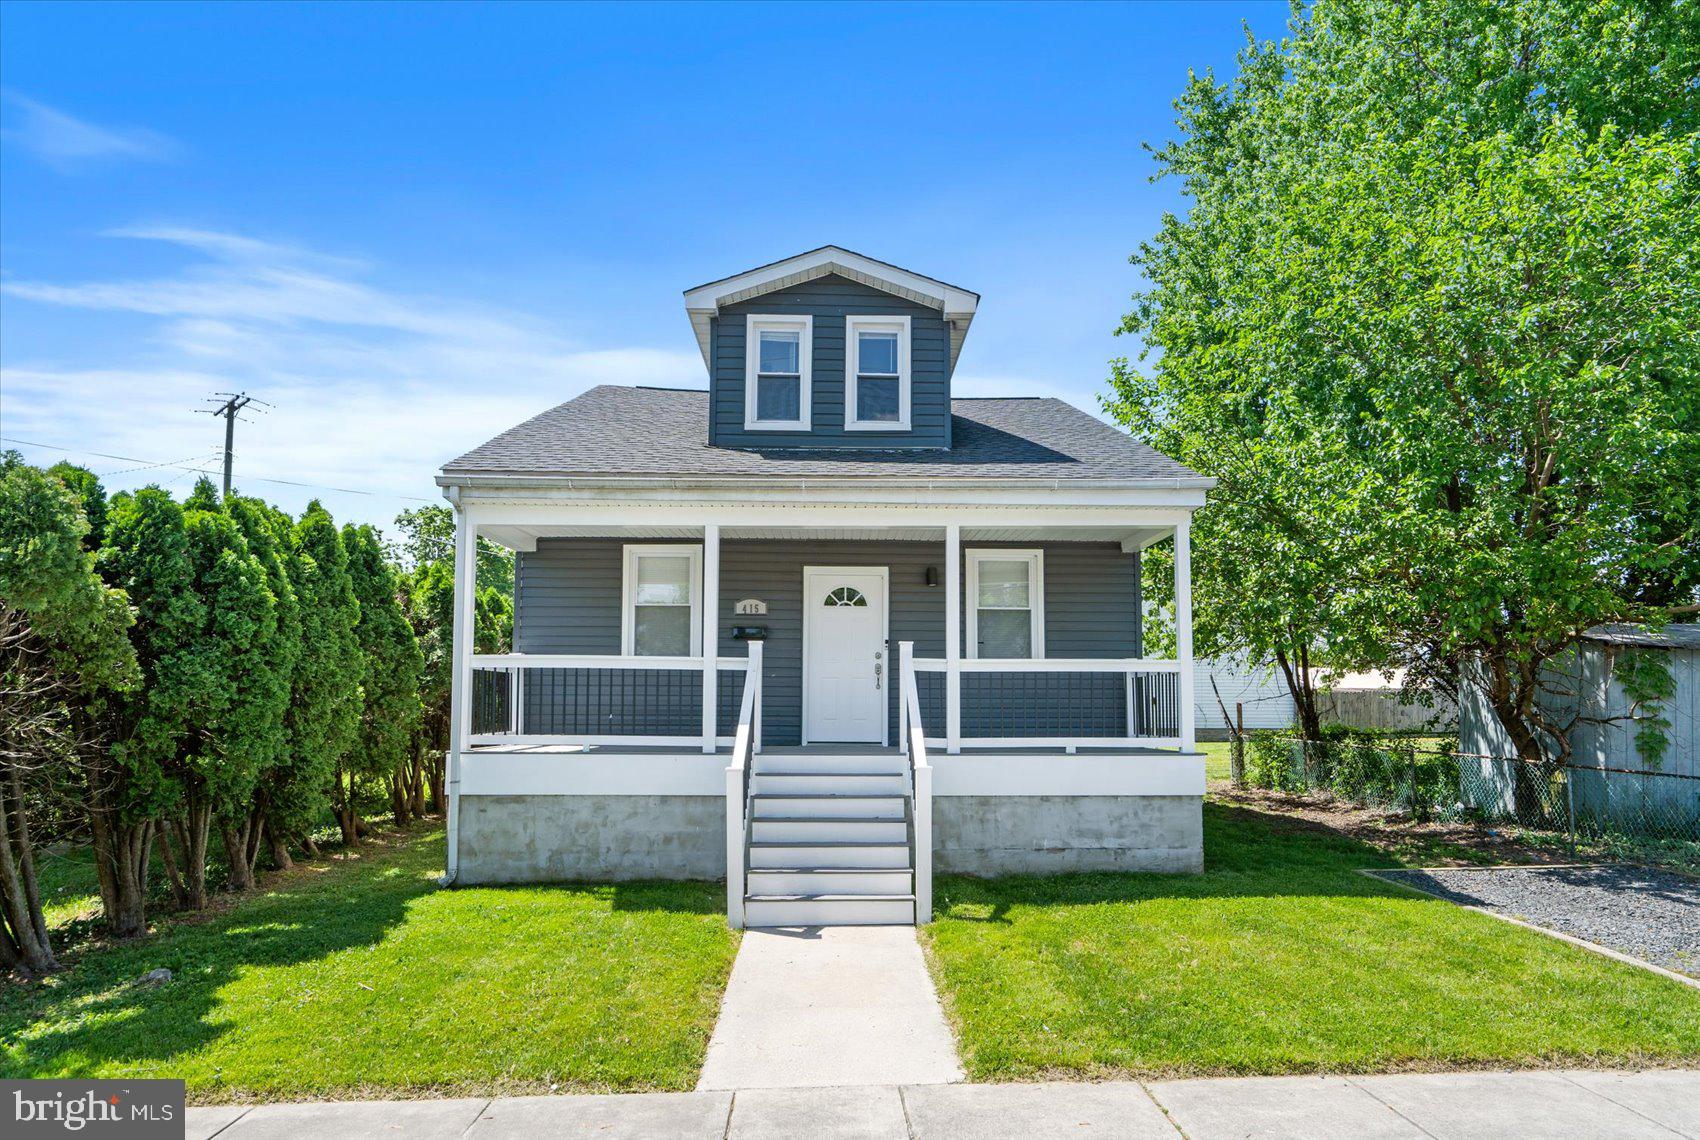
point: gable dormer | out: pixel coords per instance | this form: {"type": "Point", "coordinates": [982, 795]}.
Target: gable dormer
{"type": "Point", "coordinates": [830, 349]}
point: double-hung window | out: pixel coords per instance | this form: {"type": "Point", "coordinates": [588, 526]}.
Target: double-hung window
{"type": "Point", "coordinates": [661, 601]}
{"type": "Point", "coordinates": [1006, 603]}
{"type": "Point", "coordinates": [876, 373]}
{"type": "Point", "coordinates": [777, 366]}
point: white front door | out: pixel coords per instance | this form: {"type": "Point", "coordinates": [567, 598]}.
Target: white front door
{"type": "Point", "coordinates": [846, 676]}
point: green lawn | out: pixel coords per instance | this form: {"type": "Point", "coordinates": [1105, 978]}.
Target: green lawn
{"type": "Point", "coordinates": [69, 888]}
{"type": "Point", "coordinates": [361, 977]}
{"type": "Point", "coordinates": [1279, 958]}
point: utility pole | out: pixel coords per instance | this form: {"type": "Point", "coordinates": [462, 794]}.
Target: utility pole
{"type": "Point", "coordinates": [234, 402]}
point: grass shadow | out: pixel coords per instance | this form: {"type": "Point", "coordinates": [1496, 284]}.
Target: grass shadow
{"type": "Point", "coordinates": [675, 896]}
{"type": "Point", "coordinates": [93, 1016]}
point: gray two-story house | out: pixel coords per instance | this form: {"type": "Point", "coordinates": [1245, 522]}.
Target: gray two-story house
{"type": "Point", "coordinates": [822, 627]}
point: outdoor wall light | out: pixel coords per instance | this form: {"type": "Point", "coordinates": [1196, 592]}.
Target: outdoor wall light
{"type": "Point", "coordinates": [932, 575]}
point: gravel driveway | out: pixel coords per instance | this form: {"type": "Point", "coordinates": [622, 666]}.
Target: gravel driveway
{"type": "Point", "coordinates": [1649, 914]}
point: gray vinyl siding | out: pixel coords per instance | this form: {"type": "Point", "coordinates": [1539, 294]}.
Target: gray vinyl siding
{"type": "Point", "coordinates": [568, 601]}
{"type": "Point", "coordinates": [829, 300]}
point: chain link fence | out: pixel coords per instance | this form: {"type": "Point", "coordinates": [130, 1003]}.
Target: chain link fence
{"type": "Point", "coordinates": [1581, 802]}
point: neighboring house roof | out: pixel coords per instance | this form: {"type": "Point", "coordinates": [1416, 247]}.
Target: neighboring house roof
{"type": "Point", "coordinates": [1671, 637]}
{"type": "Point", "coordinates": [613, 431]}
{"type": "Point", "coordinates": [956, 303]}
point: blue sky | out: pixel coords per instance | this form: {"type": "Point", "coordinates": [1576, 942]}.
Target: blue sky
{"type": "Point", "coordinates": [409, 227]}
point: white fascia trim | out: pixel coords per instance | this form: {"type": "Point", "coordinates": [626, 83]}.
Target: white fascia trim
{"type": "Point", "coordinates": [853, 326]}
{"type": "Point", "coordinates": [754, 326]}
{"type": "Point", "coordinates": [628, 588]}
{"type": "Point", "coordinates": [817, 483]}
{"type": "Point", "coordinates": [948, 298]}
{"type": "Point", "coordinates": [705, 301]}
{"type": "Point", "coordinates": [1035, 559]}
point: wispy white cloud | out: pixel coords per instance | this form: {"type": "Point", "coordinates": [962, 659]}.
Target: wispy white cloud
{"type": "Point", "coordinates": [370, 387]}
{"type": "Point", "coordinates": [68, 143]}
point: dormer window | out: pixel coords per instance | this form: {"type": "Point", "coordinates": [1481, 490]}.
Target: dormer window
{"type": "Point", "coordinates": [876, 374]}
{"type": "Point", "coordinates": [777, 373]}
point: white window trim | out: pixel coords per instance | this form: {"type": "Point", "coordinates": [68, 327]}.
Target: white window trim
{"type": "Point", "coordinates": [628, 592]}
{"type": "Point", "coordinates": [852, 349]}
{"type": "Point", "coordinates": [754, 326]}
{"type": "Point", "coordinates": [1035, 559]}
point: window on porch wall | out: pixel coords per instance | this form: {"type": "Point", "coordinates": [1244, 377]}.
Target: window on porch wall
{"type": "Point", "coordinates": [662, 601]}
{"type": "Point", "coordinates": [1006, 616]}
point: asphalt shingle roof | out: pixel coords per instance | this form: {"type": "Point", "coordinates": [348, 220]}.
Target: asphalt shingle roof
{"type": "Point", "coordinates": [611, 431]}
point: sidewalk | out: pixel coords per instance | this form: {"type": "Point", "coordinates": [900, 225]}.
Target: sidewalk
{"type": "Point", "coordinates": [835, 1005]}
{"type": "Point", "coordinates": [1572, 1105]}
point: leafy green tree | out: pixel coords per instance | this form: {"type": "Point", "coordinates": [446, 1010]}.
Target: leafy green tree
{"type": "Point", "coordinates": [1431, 320]}
{"type": "Point", "coordinates": [62, 648]}
{"type": "Point", "coordinates": [203, 497]}
{"type": "Point", "coordinates": [267, 532]}
{"type": "Point", "coordinates": [325, 706]}
{"type": "Point", "coordinates": [428, 537]}
{"type": "Point", "coordinates": [235, 731]}
{"type": "Point", "coordinates": [86, 485]}
{"type": "Point", "coordinates": [392, 665]}
{"type": "Point", "coordinates": [428, 600]}
{"type": "Point", "coordinates": [147, 556]}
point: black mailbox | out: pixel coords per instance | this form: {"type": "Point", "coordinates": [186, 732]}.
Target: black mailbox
{"type": "Point", "coordinates": [749, 633]}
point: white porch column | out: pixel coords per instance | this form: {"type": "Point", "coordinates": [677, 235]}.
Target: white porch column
{"type": "Point", "coordinates": [460, 674]}
{"type": "Point", "coordinates": [953, 638]}
{"type": "Point", "coordinates": [1183, 631]}
{"type": "Point", "coordinates": [710, 635]}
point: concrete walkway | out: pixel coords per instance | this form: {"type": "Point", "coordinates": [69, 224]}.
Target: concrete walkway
{"type": "Point", "coordinates": [1449, 1106]}
{"type": "Point", "coordinates": [835, 1005]}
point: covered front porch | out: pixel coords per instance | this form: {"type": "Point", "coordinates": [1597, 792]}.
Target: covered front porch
{"type": "Point", "coordinates": [777, 690]}
{"type": "Point", "coordinates": [1026, 637]}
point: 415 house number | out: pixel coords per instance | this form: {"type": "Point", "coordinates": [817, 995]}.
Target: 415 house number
{"type": "Point", "coordinates": [750, 607]}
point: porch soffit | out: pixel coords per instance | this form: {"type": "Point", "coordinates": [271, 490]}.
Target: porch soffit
{"type": "Point", "coordinates": [1131, 537]}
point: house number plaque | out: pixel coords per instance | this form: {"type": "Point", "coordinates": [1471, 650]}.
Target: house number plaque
{"type": "Point", "coordinates": [750, 607]}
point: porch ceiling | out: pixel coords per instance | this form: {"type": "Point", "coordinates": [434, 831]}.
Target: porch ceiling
{"type": "Point", "coordinates": [1131, 537]}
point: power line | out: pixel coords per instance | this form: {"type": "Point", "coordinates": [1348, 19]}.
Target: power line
{"type": "Point", "coordinates": [234, 402]}
{"type": "Point", "coordinates": [210, 470]}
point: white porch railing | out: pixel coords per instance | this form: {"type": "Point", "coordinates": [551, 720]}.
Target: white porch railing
{"type": "Point", "coordinates": [1153, 714]}
{"type": "Point", "coordinates": [512, 692]}
{"type": "Point", "coordinates": [745, 741]}
{"type": "Point", "coordinates": [913, 736]}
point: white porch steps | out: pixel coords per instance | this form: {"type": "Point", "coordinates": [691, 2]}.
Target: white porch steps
{"type": "Point", "coordinates": [830, 840]}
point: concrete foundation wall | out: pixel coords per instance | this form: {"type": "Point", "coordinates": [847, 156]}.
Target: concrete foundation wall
{"type": "Point", "coordinates": [535, 839]}
{"type": "Point", "coordinates": [1022, 835]}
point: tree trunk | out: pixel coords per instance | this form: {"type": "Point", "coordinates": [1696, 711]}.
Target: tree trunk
{"type": "Point", "coordinates": [121, 851]}
{"type": "Point", "coordinates": [344, 807]}
{"type": "Point", "coordinates": [236, 854]}
{"type": "Point", "coordinates": [10, 956]}
{"type": "Point", "coordinates": [439, 802]}
{"type": "Point", "coordinates": [195, 827]}
{"type": "Point", "coordinates": [256, 841]}
{"type": "Point", "coordinates": [416, 782]}
{"type": "Point", "coordinates": [26, 859]}
{"type": "Point", "coordinates": [1509, 702]}
{"type": "Point", "coordinates": [280, 853]}
{"type": "Point", "coordinates": [398, 800]}
{"type": "Point", "coordinates": [28, 930]}
{"type": "Point", "coordinates": [162, 840]}
{"type": "Point", "coordinates": [311, 848]}
{"type": "Point", "coordinates": [1303, 689]}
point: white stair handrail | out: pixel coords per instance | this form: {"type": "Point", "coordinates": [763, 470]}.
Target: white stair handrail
{"type": "Point", "coordinates": [914, 737]}
{"type": "Point", "coordinates": [738, 788]}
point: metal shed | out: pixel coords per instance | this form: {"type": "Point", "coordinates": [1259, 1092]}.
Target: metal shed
{"type": "Point", "coordinates": [1610, 781]}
